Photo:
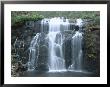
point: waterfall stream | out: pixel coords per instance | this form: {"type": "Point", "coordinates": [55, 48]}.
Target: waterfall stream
{"type": "Point", "coordinates": [54, 29]}
{"type": "Point", "coordinates": [33, 54]}
{"type": "Point", "coordinates": [77, 48]}
{"type": "Point", "coordinates": [56, 62]}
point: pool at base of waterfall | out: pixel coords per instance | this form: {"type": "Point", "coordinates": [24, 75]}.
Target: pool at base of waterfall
{"type": "Point", "coordinates": [71, 73]}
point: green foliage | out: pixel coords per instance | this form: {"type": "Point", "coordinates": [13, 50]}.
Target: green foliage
{"type": "Point", "coordinates": [18, 18]}
{"type": "Point", "coordinates": [94, 15]}
{"type": "Point", "coordinates": [91, 56]}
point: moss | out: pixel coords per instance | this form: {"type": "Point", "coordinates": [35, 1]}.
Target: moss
{"type": "Point", "coordinates": [19, 18]}
{"type": "Point", "coordinates": [92, 40]}
{"type": "Point", "coordinates": [91, 56]}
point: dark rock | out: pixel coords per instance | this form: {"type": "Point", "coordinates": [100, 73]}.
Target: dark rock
{"type": "Point", "coordinates": [67, 49]}
{"type": "Point", "coordinates": [43, 58]}
{"type": "Point", "coordinates": [76, 28]}
{"type": "Point", "coordinates": [42, 67]}
{"type": "Point", "coordinates": [92, 51]}
{"type": "Point", "coordinates": [29, 24]}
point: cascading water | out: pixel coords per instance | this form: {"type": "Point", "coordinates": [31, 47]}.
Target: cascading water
{"type": "Point", "coordinates": [44, 25]}
{"type": "Point", "coordinates": [77, 48]}
{"type": "Point", "coordinates": [54, 29]}
{"type": "Point", "coordinates": [33, 54]}
{"type": "Point", "coordinates": [56, 59]}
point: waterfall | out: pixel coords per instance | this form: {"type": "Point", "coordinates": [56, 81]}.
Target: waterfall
{"type": "Point", "coordinates": [56, 58]}
{"type": "Point", "coordinates": [54, 29]}
{"type": "Point", "coordinates": [44, 25]}
{"type": "Point", "coordinates": [33, 52]}
{"type": "Point", "coordinates": [77, 48]}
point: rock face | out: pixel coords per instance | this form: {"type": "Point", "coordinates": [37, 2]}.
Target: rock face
{"type": "Point", "coordinates": [67, 49]}
{"type": "Point", "coordinates": [20, 41]}
{"type": "Point", "coordinates": [92, 50]}
{"type": "Point", "coordinates": [43, 54]}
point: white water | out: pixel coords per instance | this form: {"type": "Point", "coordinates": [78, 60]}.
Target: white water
{"type": "Point", "coordinates": [32, 54]}
{"type": "Point", "coordinates": [56, 58]}
{"type": "Point", "coordinates": [44, 25]}
{"type": "Point", "coordinates": [56, 61]}
{"type": "Point", "coordinates": [79, 22]}
{"type": "Point", "coordinates": [77, 48]}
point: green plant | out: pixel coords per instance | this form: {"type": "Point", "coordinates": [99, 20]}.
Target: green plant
{"type": "Point", "coordinates": [19, 18]}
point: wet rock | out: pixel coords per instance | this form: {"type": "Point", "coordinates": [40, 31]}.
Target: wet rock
{"type": "Point", "coordinates": [92, 50]}
{"type": "Point", "coordinates": [67, 49]}
{"type": "Point", "coordinates": [43, 58]}
{"type": "Point", "coordinates": [42, 67]}
{"type": "Point", "coordinates": [29, 24]}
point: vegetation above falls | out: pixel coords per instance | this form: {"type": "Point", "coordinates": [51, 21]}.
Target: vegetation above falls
{"type": "Point", "coordinates": [18, 18]}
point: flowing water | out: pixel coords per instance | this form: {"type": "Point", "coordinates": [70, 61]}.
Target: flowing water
{"type": "Point", "coordinates": [33, 55]}
{"type": "Point", "coordinates": [56, 61]}
{"type": "Point", "coordinates": [77, 48]}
